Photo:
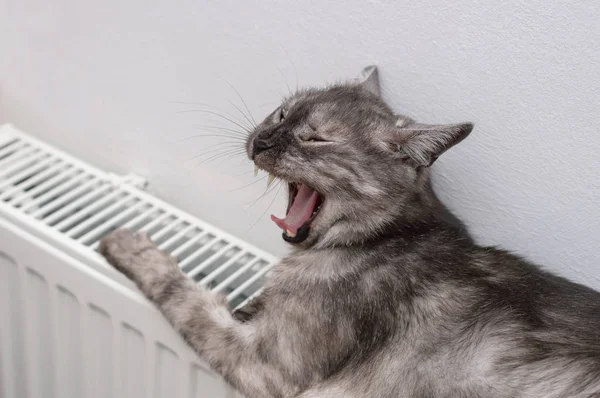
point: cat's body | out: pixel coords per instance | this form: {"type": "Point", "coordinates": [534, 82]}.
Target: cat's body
{"type": "Point", "coordinates": [474, 322]}
{"type": "Point", "coordinates": [384, 295]}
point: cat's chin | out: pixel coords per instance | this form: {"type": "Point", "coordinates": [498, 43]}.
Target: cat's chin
{"type": "Point", "coordinates": [299, 237]}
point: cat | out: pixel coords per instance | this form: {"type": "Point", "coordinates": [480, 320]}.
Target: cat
{"type": "Point", "coordinates": [383, 294]}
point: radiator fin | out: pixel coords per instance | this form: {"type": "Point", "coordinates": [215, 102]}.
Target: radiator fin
{"type": "Point", "coordinates": [168, 373]}
{"type": "Point", "coordinates": [84, 204]}
{"type": "Point", "coordinates": [70, 358]}
{"type": "Point", "coordinates": [99, 355]}
{"type": "Point", "coordinates": [133, 362]}
{"type": "Point", "coordinates": [42, 352]}
{"type": "Point", "coordinates": [12, 351]}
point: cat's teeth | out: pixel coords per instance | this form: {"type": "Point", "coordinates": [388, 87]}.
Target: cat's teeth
{"type": "Point", "coordinates": [290, 233]}
{"type": "Point", "coordinates": [255, 170]}
{"type": "Point", "coordinates": [270, 180]}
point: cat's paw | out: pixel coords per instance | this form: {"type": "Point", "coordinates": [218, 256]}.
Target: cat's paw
{"type": "Point", "coordinates": [135, 255]}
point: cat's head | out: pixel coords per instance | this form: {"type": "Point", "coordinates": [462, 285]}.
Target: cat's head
{"type": "Point", "coordinates": [352, 166]}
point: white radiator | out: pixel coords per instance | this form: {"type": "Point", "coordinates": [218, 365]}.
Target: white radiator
{"type": "Point", "coordinates": [72, 327]}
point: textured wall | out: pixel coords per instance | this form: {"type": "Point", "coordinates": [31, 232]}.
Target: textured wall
{"type": "Point", "coordinates": [102, 80]}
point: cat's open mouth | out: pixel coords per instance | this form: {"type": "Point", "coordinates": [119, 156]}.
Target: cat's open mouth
{"type": "Point", "coordinates": [303, 206]}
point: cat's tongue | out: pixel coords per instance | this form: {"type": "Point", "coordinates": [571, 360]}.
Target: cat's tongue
{"type": "Point", "coordinates": [302, 209]}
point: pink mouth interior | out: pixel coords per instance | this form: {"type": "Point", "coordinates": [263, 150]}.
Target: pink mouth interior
{"type": "Point", "coordinates": [301, 211]}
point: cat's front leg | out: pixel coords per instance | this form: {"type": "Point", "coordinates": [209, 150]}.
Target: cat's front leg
{"type": "Point", "coordinates": [234, 349]}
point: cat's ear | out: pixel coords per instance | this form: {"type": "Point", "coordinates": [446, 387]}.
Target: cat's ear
{"type": "Point", "coordinates": [424, 143]}
{"type": "Point", "coordinates": [369, 80]}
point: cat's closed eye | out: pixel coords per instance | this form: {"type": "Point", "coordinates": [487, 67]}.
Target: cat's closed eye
{"type": "Point", "coordinates": [312, 138]}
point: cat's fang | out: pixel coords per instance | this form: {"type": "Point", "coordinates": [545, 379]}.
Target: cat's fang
{"type": "Point", "coordinates": [290, 233]}
{"type": "Point", "coordinates": [270, 180]}
{"type": "Point", "coordinates": [255, 170]}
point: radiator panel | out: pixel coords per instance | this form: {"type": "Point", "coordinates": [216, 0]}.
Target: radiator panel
{"type": "Point", "coordinates": [77, 336]}
{"type": "Point", "coordinates": [70, 325]}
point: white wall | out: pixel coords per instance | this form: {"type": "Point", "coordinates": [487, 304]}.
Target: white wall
{"type": "Point", "coordinates": [101, 78]}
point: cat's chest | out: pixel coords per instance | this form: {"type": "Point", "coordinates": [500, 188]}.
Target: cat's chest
{"type": "Point", "coordinates": [364, 283]}
{"type": "Point", "coordinates": [315, 268]}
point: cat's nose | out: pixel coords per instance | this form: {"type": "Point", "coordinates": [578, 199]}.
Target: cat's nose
{"type": "Point", "coordinates": [261, 144]}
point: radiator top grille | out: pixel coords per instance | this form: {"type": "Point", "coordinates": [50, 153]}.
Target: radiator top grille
{"type": "Point", "coordinates": [69, 197]}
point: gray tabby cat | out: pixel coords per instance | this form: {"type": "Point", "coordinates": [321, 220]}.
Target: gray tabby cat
{"type": "Point", "coordinates": [382, 296]}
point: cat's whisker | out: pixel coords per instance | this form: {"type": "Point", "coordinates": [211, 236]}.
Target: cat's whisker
{"type": "Point", "coordinates": [253, 123]}
{"type": "Point", "coordinates": [235, 131]}
{"type": "Point", "coordinates": [212, 108]}
{"type": "Point", "coordinates": [244, 163]}
{"type": "Point", "coordinates": [247, 185]}
{"type": "Point", "coordinates": [268, 190]}
{"type": "Point", "coordinates": [223, 132]}
{"type": "Point", "coordinates": [251, 126]}
{"type": "Point", "coordinates": [224, 156]}
{"type": "Point", "coordinates": [211, 136]}
{"type": "Point", "coordinates": [212, 155]}
{"type": "Point", "coordinates": [219, 150]}
{"type": "Point", "coordinates": [215, 114]}
{"type": "Point", "coordinates": [290, 59]}
{"type": "Point", "coordinates": [296, 72]}
{"type": "Point", "coordinates": [243, 173]}
{"type": "Point", "coordinates": [284, 80]}
{"type": "Point", "coordinates": [268, 207]}
{"type": "Point", "coordinates": [220, 146]}
{"type": "Point", "coordinates": [190, 103]}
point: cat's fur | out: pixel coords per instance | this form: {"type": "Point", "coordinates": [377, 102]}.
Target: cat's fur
{"type": "Point", "coordinates": [386, 297]}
